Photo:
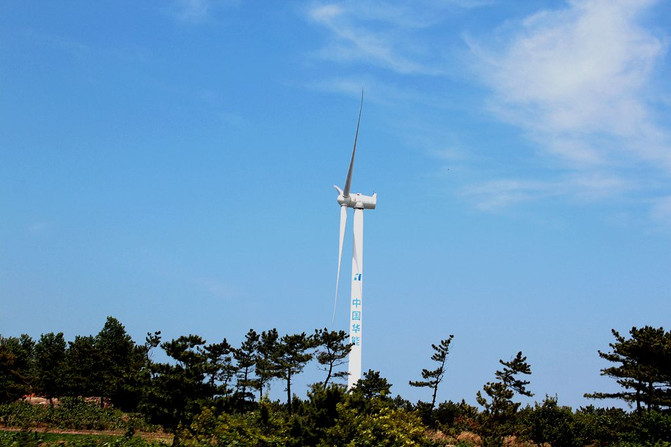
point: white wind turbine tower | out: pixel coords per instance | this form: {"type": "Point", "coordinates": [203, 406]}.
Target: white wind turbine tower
{"type": "Point", "coordinates": [359, 202]}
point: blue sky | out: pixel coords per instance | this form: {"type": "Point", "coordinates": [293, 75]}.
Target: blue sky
{"type": "Point", "coordinates": [171, 164]}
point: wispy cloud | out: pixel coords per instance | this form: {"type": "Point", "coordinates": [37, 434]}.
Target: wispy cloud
{"type": "Point", "coordinates": [191, 10]}
{"type": "Point", "coordinates": [39, 227]}
{"type": "Point", "coordinates": [376, 89]}
{"type": "Point", "coordinates": [197, 11]}
{"type": "Point", "coordinates": [470, 3]}
{"type": "Point", "coordinates": [577, 81]}
{"type": "Point", "coordinates": [494, 195]}
{"type": "Point", "coordinates": [375, 33]}
{"type": "Point", "coordinates": [217, 288]}
{"type": "Point", "coordinates": [357, 43]}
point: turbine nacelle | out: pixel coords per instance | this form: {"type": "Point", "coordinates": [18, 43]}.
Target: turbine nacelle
{"type": "Point", "coordinates": [357, 200]}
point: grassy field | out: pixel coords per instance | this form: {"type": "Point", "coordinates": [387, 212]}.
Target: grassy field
{"type": "Point", "coordinates": [80, 439]}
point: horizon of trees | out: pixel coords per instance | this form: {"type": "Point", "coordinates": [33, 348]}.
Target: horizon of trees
{"type": "Point", "coordinates": [232, 379]}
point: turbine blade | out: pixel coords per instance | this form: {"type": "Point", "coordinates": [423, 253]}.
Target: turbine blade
{"type": "Point", "coordinates": [348, 182]}
{"type": "Point", "coordinates": [343, 222]}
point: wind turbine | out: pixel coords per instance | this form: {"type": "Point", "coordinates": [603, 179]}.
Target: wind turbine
{"type": "Point", "coordinates": [358, 202]}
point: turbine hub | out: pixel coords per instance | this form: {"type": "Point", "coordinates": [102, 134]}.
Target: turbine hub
{"type": "Point", "coordinates": [358, 201]}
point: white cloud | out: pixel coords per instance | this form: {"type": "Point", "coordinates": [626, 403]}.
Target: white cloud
{"type": "Point", "coordinates": [577, 81]}
{"type": "Point", "coordinates": [497, 194]}
{"type": "Point", "coordinates": [39, 227]}
{"type": "Point", "coordinates": [494, 195]}
{"type": "Point", "coordinates": [217, 288]}
{"type": "Point", "coordinates": [375, 33]}
{"type": "Point", "coordinates": [192, 10]}
{"type": "Point", "coordinates": [578, 72]}
{"type": "Point", "coordinates": [197, 11]}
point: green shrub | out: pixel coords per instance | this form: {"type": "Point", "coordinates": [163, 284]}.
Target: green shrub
{"type": "Point", "coordinates": [603, 426]}
{"type": "Point", "coordinates": [650, 428]}
{"type": "Point", "coordinates": [35, 439]}
{"type": "Point", "coordinates": [548, 422]}
{"type": "Point", "coordinates": [71, 413]}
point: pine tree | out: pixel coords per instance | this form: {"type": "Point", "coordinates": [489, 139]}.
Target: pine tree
{"type": "Point", "coordinates": [290, 358]}
{"type": "Point", "coordinates": [372, 385]}
{"type": "Point", "coordinates": [246, 356]}
{"type": "Point", "coordinates": [12, 383]}
{"type": "Point", "coordinates": [644, 369]}
{"type": "Point", "coordinates": [332, 352]}
{"type": "Point", "coordinates": [178, 391]}
{"type": "Point", "coordinates": [117, 364]}
{"type": "Point", "coordinates": [502, 392]}
{"type": "Point", "coordinates": [84, 368]}
{"type": "Point", "coordinates": [49, 365]}
{"type": "Point", "coordinates": [220, 368]}
{"type": "Point", "coordinates": [23, 348]}
{"type": "Point", "coordinates": [432, 378]}
{"type": "Point", "coordinates": [268, 345]}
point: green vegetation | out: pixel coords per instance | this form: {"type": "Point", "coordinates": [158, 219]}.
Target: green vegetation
{"type": "Point", "coordinates": [36, 439]}
{"type": "Point", "coordinates": [213, 394]}
{"type": "Point", "coordinates": [644, 369]}
{"type": "Point", "coordinates": [71, 414]}
{"type": "Point", "coordinates": [432, 378]}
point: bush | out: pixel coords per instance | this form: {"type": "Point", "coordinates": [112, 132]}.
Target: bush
{"type": "Point", "coordinates": [602, 426]}
{"type": "Point", "coordinates": [455, 418]}
{"type": "Point", "coordinates": [650, 427]}
{"type": "Point", "coordinates": [548, 422]}
{"type": "Point", "coordinates": [380, 425]}
{"type": "Point", "coordinates": [208, 429]}
{"type": "Point", "coordinates": [71, 413]}
{"type": "Point", "coordinates": [34, 439]}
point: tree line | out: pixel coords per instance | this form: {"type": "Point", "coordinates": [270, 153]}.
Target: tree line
{"type": "Point", "coordinates": [207, 389]}
{"type": "Point", "coordinates": [112, 367]}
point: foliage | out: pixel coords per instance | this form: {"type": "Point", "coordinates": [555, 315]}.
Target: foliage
{"type": "Point", "coordinates": [386, 427]}
{"type": "Point", "coordinates": [71, 413]}
{"type": "Point", "coordinates": [549, 423]}
{"type": "Point", "coordinates": [432, 378]}
{"type": "Point", "coordinates": [12, 383]}
{"type": "Point", "coordinates": [177, 390]}
{"type": "Point", "coordinates": [246, 357]}
{"type": "Point", "coordinates": [367, 416]}
{"type": "Point", "coordinates": [600, 424]}
{"type": "Point", "coordinates": [644, 369]}
{"type": "Point", "coordinates": [204, 394]}
{"type": "Point", "coordinates": [329, 416]}
{"type": "Point", "coordinates": [120, 366]}
{"type": "Point", "coordinates": [502, 391]}
{"type": "Point", "coordinates": [219, 367]}
{"type": "Point", "coordinates": [35, 439]}
{"type": "Point", "coordinates": [332, 352]}
{"type": "Point", "coordinates": [261, 428]}
{"type": "Point", "coordinates": [50, 365]}
{"type": "Point", "coordinates": [289, 358]}
{"type": "Point", "coordinates": [84, 369]}
{"type": "Point", "coordinates": [267, 347]}
{"type": "Point", "coordinates": [454, 418]}
{"type": "Point", "coordinates": [372, 385]}
{"type": "Point", "coordinates": [16, 366]}
{"type": "Point", "coordinates": [649, 427]}
{"type": "Point", "coordinates": [498, 418]}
